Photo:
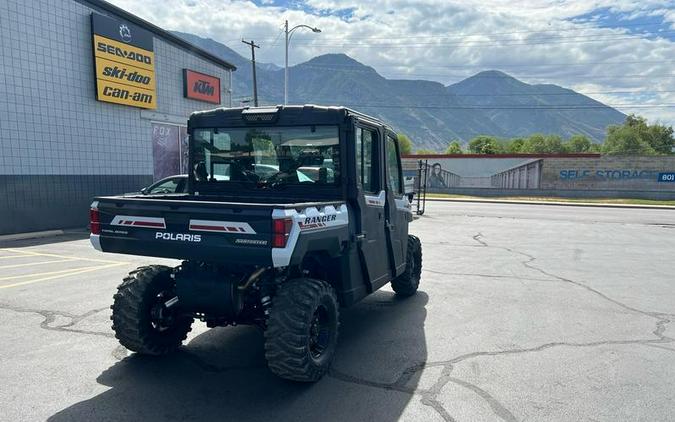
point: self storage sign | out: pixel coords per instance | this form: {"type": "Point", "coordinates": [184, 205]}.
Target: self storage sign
{"type": "Point", "coordinates": [201, 87]}
{"type": "Point", "coordinates": [124, 62]}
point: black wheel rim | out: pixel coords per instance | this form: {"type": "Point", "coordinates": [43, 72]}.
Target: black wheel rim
{"type": "Point", "coordinates": [319, 332]}
{"type": "Point", "coordinates": [161, 317]}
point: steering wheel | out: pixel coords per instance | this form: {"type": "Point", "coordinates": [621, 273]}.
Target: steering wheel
{"type": "Point", "coordinates": [251, 175]}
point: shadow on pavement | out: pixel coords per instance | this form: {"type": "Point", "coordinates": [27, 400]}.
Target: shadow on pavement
{"type": "Point", "coordinates": [67, 236]}
{"type": "Point", "coordinates": [222, 375]}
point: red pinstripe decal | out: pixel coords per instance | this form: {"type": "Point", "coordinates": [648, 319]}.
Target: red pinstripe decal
{"type": "Point", "coordinates": [202, 227]}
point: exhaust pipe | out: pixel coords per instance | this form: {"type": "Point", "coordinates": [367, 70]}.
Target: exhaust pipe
{"type": "Point", "coordinates": [252, 278]}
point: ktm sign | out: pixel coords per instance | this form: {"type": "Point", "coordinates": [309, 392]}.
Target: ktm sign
{"type": "Point", "coordinates": [201, 87]}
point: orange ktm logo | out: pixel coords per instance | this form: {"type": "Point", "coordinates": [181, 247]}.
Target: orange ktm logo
{"type": "Point", "coordinates": [201, 87]}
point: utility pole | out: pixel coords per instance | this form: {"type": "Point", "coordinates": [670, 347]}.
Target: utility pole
{"type": "Point", "coordinates": [255, 82]}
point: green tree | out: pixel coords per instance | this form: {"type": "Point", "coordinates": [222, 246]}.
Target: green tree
{"type": "Point", "coordinates": [513, 145]}
{"type": "Point", "coordinates": [404, 144]}
{"type": "Point", "coordinates": [425, 151]}
{"type": "Point", "coordinates": [454, 148]}
{"type": "Point", "coordinates": [659, 137]}
{"type": "Point", "coordinates": [484, 145]}
{"type": "Point", "coordinates": [625, 140]}
{"type": "Point", "coordinates": [636, 136]}
{"type": "Point", "coordinates": [553, 144]}
{"type": "Point", "coordinates": [579, 144]}
{"type": "Point", "coordinates": [534, 144]}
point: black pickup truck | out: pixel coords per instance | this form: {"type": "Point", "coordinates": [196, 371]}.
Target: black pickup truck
{"type": "Point", "coordinates": [291, 212]}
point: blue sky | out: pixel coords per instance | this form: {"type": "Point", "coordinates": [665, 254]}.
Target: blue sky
{"type": "Point", "coordinates": [346, 13]}
{"type": "Point", "coordinates": [649, 23]}
{"type": "Point", "coordinates": [620, 52]}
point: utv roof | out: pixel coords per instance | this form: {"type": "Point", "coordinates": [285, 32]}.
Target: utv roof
{"type": "Point", "coordinates": [278, 115]}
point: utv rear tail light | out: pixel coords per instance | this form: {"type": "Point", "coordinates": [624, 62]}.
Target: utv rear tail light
{"type": "Point", "coordinates": [281, 230]}
{"type": "Point", "coordinates": [94, 221]}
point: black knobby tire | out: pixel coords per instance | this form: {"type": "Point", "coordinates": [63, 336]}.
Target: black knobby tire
{"type": "Point", "coordinates": [407, 283]}
{"type": "Point", "coordinates": [302, 330]}
{"type": "Point", "coordinates": [136, 306]}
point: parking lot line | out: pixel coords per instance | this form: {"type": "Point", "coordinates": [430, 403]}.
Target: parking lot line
{"type": "Point", "coordinates": [28, 264]}
{"type": "Point", "coordinates": [31, 253]}
{"type": "Point", "coordinates": [12, 256]}
{"type": "Point", "coordinates": [71, 272]}
{"type": "Point", "coordinates": [14, 277]}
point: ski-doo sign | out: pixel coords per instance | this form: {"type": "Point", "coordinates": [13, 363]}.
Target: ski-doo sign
{"type": "Point", "coordinates": [124, 62]}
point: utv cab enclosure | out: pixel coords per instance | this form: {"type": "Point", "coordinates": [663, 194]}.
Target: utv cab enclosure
{"type": "Point", "coordinates": [291, 212]}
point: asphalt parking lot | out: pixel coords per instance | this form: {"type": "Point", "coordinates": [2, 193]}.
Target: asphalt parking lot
{"type": "Point", "coordinates": [526, 312]}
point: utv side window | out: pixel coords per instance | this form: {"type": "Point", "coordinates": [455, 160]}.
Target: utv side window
{"type": "Point", "coordinates": [365, 154]}
{"type": "Point", "coordinates": [393, 166]}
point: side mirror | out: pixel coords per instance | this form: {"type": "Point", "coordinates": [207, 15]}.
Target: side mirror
{"type": "Point", "coordinates": [144, 191]}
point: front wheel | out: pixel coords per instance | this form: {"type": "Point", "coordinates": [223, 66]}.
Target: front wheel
{"type": "Point", "coordinates": [407, 283]}
{"type": "Point", "coordinates": [141, 320]}
{"type": "Point", "coordinates": [302, 330]}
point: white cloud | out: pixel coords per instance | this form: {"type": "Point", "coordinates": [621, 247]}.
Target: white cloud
{"type": "Point", "coordinates": [447, 41]}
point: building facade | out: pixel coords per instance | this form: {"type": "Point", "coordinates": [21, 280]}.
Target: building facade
{"type": "Point", "coordinates": [93, 101]}
{"type": "Point", "coordinates": [562, 175]}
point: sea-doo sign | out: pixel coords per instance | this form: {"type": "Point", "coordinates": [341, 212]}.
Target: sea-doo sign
{"type": "Point", "coordinates": [124, 61]}
{"type": "Point", "coordinates": [201, 87]}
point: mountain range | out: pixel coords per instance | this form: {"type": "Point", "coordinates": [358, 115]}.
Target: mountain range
{"type": "Point", "coordinates": [431, 114]}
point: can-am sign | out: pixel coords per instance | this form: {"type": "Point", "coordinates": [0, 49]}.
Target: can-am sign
{"type": "Point", "coordinates": [124, 62]}
{"type": "Point", "coordinates": [201, 87]}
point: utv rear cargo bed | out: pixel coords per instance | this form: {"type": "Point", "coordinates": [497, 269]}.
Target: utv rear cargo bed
{"type": "Point", "coordinates": [183, 227]}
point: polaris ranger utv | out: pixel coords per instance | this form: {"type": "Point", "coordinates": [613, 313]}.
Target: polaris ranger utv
{"type": "Point", "coordinates": [291, 213]}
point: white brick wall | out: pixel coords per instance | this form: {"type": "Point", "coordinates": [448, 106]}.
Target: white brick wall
{"type": "Point", "coordinates": [50, 121]}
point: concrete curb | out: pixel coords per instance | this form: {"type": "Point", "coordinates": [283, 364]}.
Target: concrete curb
{"type": "Point", "coordinates": [559, 203]}
{"type": "Point", "coordinates": [30, 235]}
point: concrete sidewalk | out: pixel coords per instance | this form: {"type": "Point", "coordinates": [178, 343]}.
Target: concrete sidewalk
{"type": "Point", "coordinates": [563, 203]}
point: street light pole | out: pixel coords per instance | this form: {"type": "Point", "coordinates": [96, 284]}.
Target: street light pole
{"type": "Point", "coordinates": [289, 34]}
{"type": "Point", "coordinates": [286, 67]}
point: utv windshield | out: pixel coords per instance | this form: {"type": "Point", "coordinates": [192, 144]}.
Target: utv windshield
{"type": "Point", "coordinates": [267, 156]}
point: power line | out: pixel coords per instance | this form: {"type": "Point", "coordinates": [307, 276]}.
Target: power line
{"type": "Point", "coordinates": [482, 44]}
{"type": "Point", "coordinates": [551, 93]}
{"type": "Point", "coordinates": [462, 40]}
{"type": "Point", "coordinates": [367, 69]}
{"type": "Point", "coordinates": [452, 95]}
{"type": "Point", "coordinates": [499, 65]}
{"type": "Point", "coordinates": [516, 107]}
{"type": "Point", "coordinates": [443, 36]}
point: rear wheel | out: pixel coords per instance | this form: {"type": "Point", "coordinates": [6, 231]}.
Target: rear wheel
{"type": "Point", "coordinates": [407, 283]}
{"type": "Point", "coordinates": [302, 330]}
{"type": "Point", "coordinates": [141, 320]}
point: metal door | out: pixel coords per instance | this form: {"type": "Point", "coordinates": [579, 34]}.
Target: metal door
{"type": "Point", "coordinates": [397, 208]}
{"type": "Point", "coordinates": [371, 201]}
